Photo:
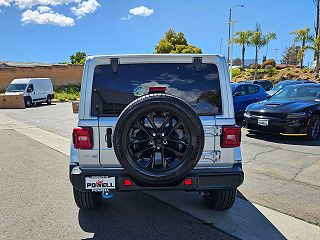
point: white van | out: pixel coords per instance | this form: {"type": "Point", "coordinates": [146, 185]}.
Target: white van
{"type": "Point", "coordinates": [34, 90]}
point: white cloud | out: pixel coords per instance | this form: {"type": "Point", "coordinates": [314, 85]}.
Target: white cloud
{"type": "Point", "coordinates": [127, 18]}
{"type": "Point", "coordinates": [84, 8]}
{"type": "Point", "coordinates": [4, 3]}
{"type": "Point", "coordinates": [47, 17]}
{"type": "Point", "coordinates": [30, 3]}
{"type": "Point", "coordinates": [141, 11]}
{"type": "Point", "coordinates": [44, 9]}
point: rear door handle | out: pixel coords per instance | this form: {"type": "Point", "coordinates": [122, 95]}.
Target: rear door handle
{"type": "Point", "coordinates": [108, 137]}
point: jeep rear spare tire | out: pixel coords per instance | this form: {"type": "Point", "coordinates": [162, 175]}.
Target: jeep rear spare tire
{"type": "Point", "coordinates": [158, 139]}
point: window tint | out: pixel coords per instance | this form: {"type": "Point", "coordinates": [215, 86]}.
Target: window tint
{"type": "Point", "coordinates": [16, 87]}
{"type": "Point", "coordinates": [112, 92]}
{"type": "Point", "coordinates": [251, 89]}
{"type": "Point", "coordinates": [266, 85]}
{"type": "Point", "coordinates": [241, 89]}
{"type": "Point", "coordinates": [308, 93]}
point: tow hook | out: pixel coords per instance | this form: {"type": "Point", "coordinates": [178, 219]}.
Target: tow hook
{"type": "Point", "coordinates": [106, 194]}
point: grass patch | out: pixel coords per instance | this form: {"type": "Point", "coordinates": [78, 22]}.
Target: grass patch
{"type": "Point", "coordinates": [2, 90]}
{"type": "Point", "coordinates": [67, 92]}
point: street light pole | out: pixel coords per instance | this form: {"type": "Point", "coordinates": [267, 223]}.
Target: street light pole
{"type": "Point", "coordinates": [231, 51]}
{"type": "Point", "coordinates": [231, 25]}
{"type": "Point", "coordinates": [277, 49]}
{"type": "Point", "coordinates": [229, 34]}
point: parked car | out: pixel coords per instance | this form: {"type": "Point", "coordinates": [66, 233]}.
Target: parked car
{"type": "Point", "coordinates": [34, 90]}
{"type": "Point", "coordinates": [294, 110]}
{"type": "Point", "coordinates": [156, 122]}
{"type": "Point", "coordinates": [285, 83]}
{"type": "Point", "coordinates": [266, 84]}
{"type": "Point", "coordinates": [244, 94]}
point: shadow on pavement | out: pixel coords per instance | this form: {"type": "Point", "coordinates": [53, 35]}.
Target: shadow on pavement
{"type": "Point", "coordinates": [243, 220]}
{"type": "Point", "coordinates": [40, 105]}
{"type": "Point", "coordinates": [276, 138]}
{"type": "Point", "coordinates": [140, 216]}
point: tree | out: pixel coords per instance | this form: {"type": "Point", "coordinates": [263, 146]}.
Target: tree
{"type": "Point", "coordinates": [303, 36]}
{"type": "Point", "coordinates": [290, 55]}
{"type": "Point", "coordinates": [237, 62]}
{"type": "Point", "coordinates": [78, 58]}
{"type": "Point", "coordinates": [259, 40]}
{"type": "Point", "coordinates": [175, 43]}
{"type": "Point", "coordinates": [315, 46]}
{"type": "Point", "coordinates": [242, 38]}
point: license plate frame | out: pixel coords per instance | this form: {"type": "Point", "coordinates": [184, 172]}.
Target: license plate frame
{"type": "Point", "coordinates": [263, 122]}
{"type": "Point", "coordinates": [100, 183]}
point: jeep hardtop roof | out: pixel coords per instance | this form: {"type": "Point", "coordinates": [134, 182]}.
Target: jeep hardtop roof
{"type": "Point", "coordinates": [99, 64]}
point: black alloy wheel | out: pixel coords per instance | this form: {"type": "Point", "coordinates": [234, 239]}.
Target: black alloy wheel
{"type": "Point", "coordinates": [158, 139]}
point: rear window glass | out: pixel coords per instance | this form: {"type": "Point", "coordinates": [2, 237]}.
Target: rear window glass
{"type": "Point", "coordinates": [112, 92]}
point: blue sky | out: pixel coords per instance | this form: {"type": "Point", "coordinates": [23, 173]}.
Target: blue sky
{"type": "Point", "coordinates": [52, 32]}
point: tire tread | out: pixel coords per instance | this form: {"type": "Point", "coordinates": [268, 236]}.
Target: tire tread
{"type": "Point", "coordinates": [220, 200]}
{"type": "Point", "coordinates": [86, 200]}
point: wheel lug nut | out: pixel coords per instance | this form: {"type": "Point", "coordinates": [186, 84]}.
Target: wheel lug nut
{"type": "Point", "coordinates": [153, 134]}
{"type": "Point", "coordinates": [162, 134]}
{"type": "Point", "coordinates": [165, 142]}
{"type": "Point", "coordinates": [151, 142]}
{"type": "Point", "coordinates": [158, 148]}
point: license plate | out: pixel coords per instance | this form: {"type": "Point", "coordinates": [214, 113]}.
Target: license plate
{"type": "Point", "coordinates": [263, 122]}
{"type": "Point", "coordinates": [100, 183]}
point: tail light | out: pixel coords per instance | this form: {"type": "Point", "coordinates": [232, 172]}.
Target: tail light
{"type": "Point", "coordinates": [231, 136]}
{"type": "Point", "coordinates": [83, 138]}
{"type": "Point", "coordinates": [157, 89]}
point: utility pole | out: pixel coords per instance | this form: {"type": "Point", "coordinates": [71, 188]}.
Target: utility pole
{"type": "Point", "coordinates": [316, 71]}
{"type": "Point", "coordinates": [230, 45]}
{"type": "Point", "coordinates": [229, 30]}
{"type": "Point", "coordinates": [231, 51]}
{"type": "Point", "coordinates": [277, 49]}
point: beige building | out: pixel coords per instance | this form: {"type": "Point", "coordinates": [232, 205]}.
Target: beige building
{"type": "Point", "coordinates": [61, 74]}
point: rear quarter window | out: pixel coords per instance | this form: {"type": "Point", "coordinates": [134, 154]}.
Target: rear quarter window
{"type": "Point", "coordinates": [112, 92]}
{"type": "Point", "coordinates": [252, 89]}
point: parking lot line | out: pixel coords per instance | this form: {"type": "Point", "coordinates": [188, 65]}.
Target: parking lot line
{"type": "Point", "coordinates": [246, 220]}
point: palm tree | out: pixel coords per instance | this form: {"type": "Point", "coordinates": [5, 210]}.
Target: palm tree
{"type": "Point", "coordinates": [316, 48]}
{"type": "Point", "coordinates": [258, 40]}
{"type": "Point", "coordinates": [303, 36]}
{"type": "Point", "coordinates": [242, 38]}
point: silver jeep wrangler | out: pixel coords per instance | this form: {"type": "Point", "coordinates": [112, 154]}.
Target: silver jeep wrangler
{"type": "Point", "coordinates": [156, 122]}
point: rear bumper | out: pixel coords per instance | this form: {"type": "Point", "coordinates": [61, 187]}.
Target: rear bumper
{"type": "Point", "coordinates": [202, 179]}
{"type": "Point", "coordinates": [292, 126]}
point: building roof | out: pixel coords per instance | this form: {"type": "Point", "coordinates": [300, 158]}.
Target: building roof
{"type": "Point", "coordinates": [9, 64]}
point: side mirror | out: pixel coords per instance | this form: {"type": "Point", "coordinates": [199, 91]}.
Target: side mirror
{"type": "Point", "coordinates": [29, 90]}
{"type": "Point", "coordinates": [237, 94]}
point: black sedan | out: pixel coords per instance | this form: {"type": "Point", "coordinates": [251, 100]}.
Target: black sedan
{"type": "Point", "coordinates": [294, 110]}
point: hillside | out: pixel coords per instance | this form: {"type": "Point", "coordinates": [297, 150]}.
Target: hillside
{"type": "Point", "coordinates": [274, 75]}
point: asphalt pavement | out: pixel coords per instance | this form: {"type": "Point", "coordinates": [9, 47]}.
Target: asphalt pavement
{"type": "Point", "coordinates": [280, 173]}
{"type": "Point", "coordinates": [37, 203]}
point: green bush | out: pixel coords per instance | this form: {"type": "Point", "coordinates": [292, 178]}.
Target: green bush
{"type": "Point", "coordinates": [2, 90]}
{"type": "Point", "coordinates": [67, 92]}
{"type": "Point", "coordinates": [236, 72]}
{"type": "Point", "coordinates": [271, 71]}
{"type": "Point", "coordinates": [271, 62]}
{"type": "Point", "coordinates": [268, 67]}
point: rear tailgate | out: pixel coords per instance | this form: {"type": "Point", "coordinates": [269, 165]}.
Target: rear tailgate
{"type": "Point", "coordinates": [109, 93]}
